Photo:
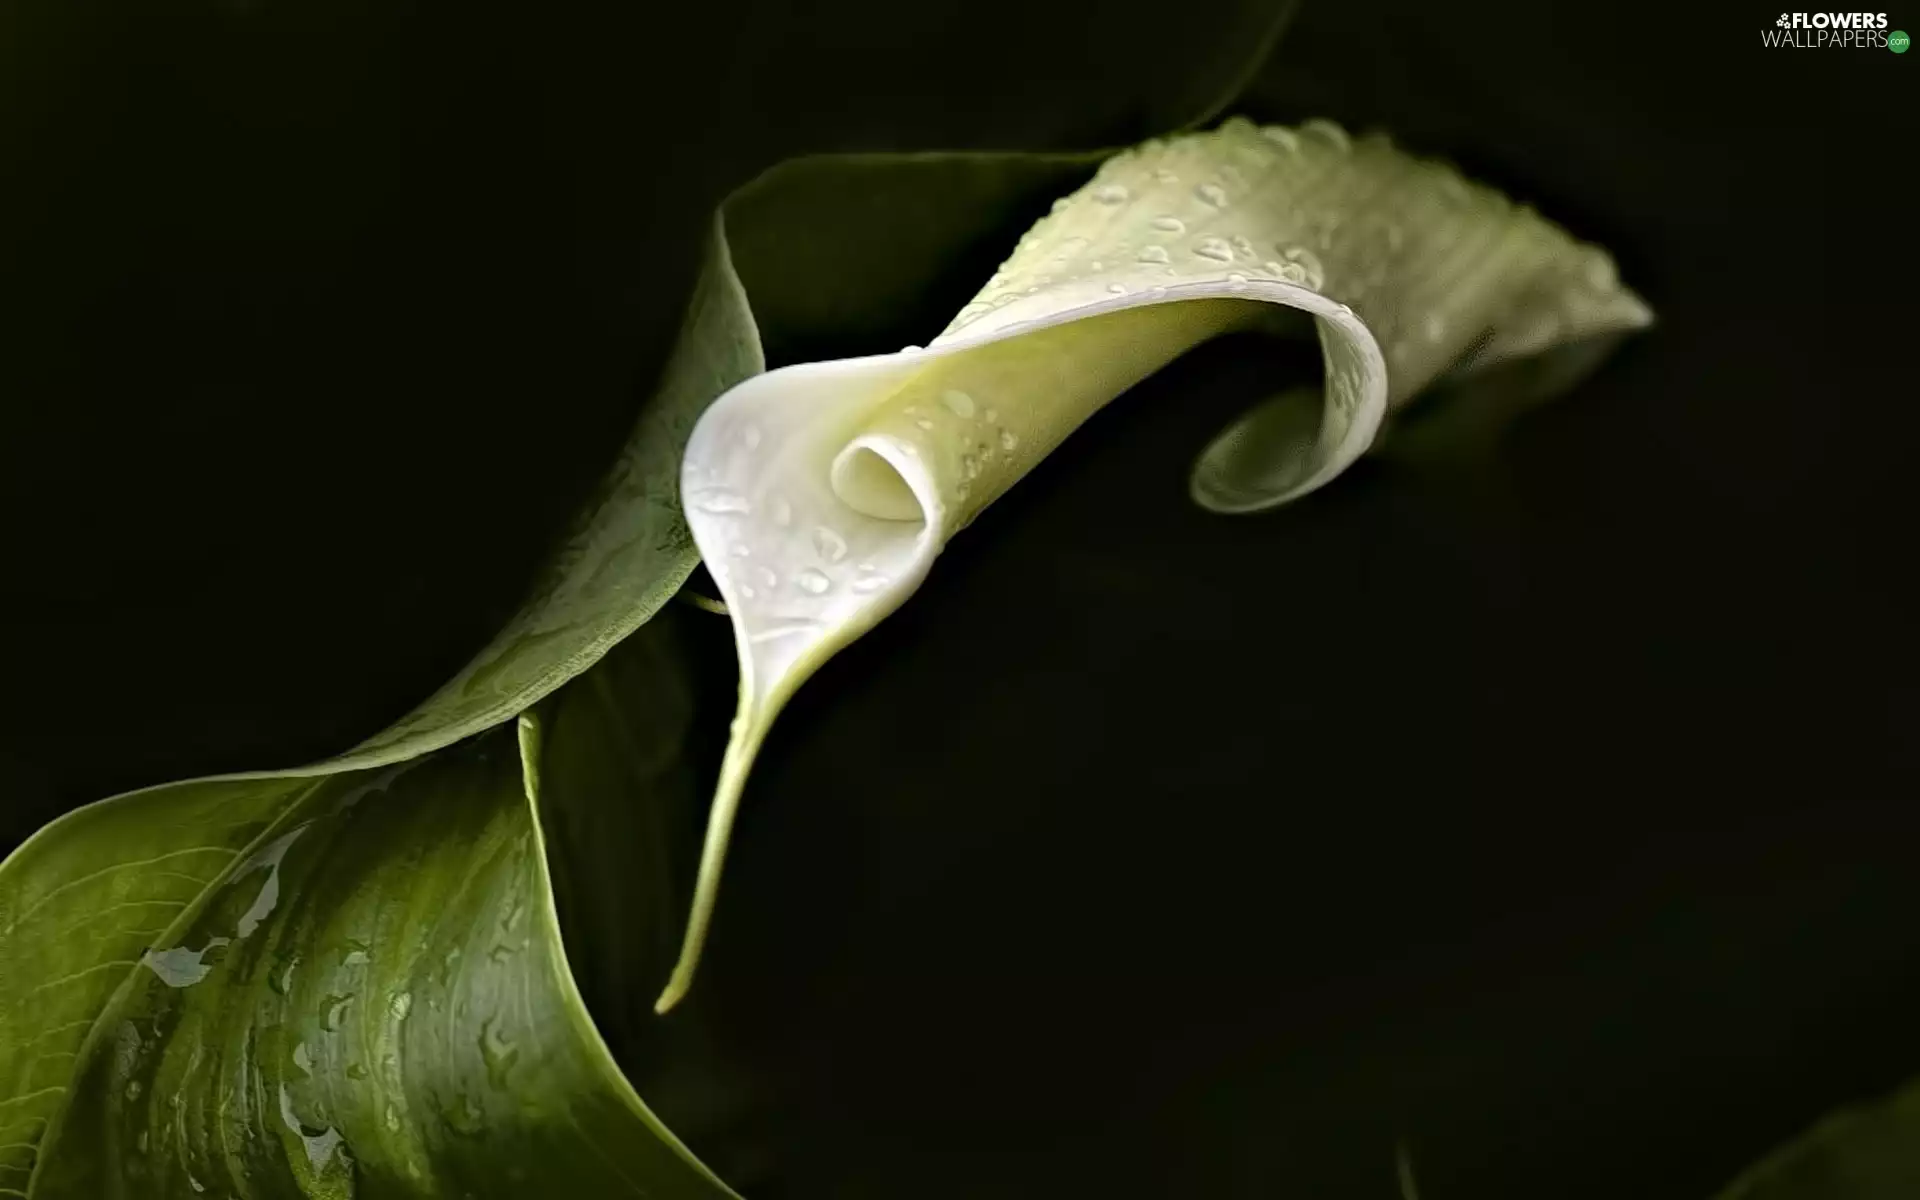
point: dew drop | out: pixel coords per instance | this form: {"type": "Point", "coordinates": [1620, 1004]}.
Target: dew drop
{"type": "Point", "coordinates": [1165, 176]}
{"type": "Point", "coordinates": [1435, 327]}
{"type": "Point", "coordinates": [750, 437]}
{"type": "Point", "coordinates": [356, 1071]}
{"type": "Point", "coordinates": [724, 504]}
{"type": "Point", "coordinates": [740, 550]}
{"type": "Point", "coordinates": [868, 584]}
{"type": "Point", "coordinates": [1169, 224]}
{"type": "Point", "coordinates": [1284, 138]}
{"type": "Point", "coordinates": [336, 1012]}
{"type": "Point", "coordinates": [1008, 441]}
{"type": "Point", "coordinates": [958, 403]}
{"type": "Point", "coordinates": [400, 1005]}
{"type": "Point", "coordinates": [1111, 193]}
{"type": "Point", "coordinates": [767, 576]}
{"type": "Point", "coordinates": [969, 466]}
{"type": "Point", "coordinates": [1154, 254]}
{"type": "Point", "coordinates": [392, 1118]}
{"type": "Point", "coordinates": [830, 544]}
{"type": "Point", "coordinates": [1212, 193]}
{"type": "Point", "coordinates": [1334, 135]}
{"type": "Point", "coordinates": [813, 581]}
{"type": "Point", "coordinates": [1602, 276]}
{"type": "Point", "coordinates": [1238, 281]}
{"type": "Point", "coordinates": [1242, 246]}
{"type": "Point", "coordinates": [746, 590]}
{"type": "Point", "coordinates": [1214, 248]}
{"type": "Point", "coordinates": [140, 1143]}
{"type": "Point", "coordinates": [1117, 289]}
{"type": "Point", "coordinates": [498, 1051]}
{"type": "Point", "coordinates": [195, 1184]}
{"type": "Point", "coordinates": [923, 423]}
{"type": "Point", "coordinates": [1313, 275]}
{"type": "Point", "coordinates": [181, 967]}
{"type": "Point", "coordinates": [134, 1088]}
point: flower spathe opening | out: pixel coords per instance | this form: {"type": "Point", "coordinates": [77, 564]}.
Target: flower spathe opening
{"type": "Point", "coordinates": [867, 478]}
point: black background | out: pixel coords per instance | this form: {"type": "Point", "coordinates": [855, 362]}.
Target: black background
{"type": "Point", "coordinates": [1554, 825]}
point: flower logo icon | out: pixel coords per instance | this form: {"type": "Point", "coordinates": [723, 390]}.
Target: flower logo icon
{"type": "Point", "coordinates": [1783, 22]}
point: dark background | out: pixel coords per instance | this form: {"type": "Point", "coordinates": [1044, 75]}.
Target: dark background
{"type": "Point", "coordinates": [1553, 823]}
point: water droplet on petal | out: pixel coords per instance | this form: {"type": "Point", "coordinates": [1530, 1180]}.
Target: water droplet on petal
{"type": "Point", "coordinates": [400, 1004]}
{"type": "Point", "coordinates": [1212, 193]}
{"type": "Point", "coordinates": [813, 581]}
{"type": "Point", "coordinates": [1309, 264]}
{"type": "Point", "coordinates": [1111, 193]}
{"type": "Point", "coordinates": [740, 550]}
{"type": "Point", "coordinates": [1435, 327]}
{"type": "Point", "coordinates": [1165, 176]}
{"type": "Point", "coordinates": [1215, 249]}
{"type": "Point", "coordinates": [1330, 132]}
{"type": "Point", "coordinates": [1286, 139]}
{"type": "Point", "coordinates": [391, 1119]}
{"type": "Point", "coordinates": [1169, 224]}
{"type": "Point", "coordinates": [1602, 276]}
{"type": "Point", "coordinates": [830, 544]}
{"type": "Point", "coordinates": [356, 1071]}
{"type": "Point", "coordinates": [1117, 289]}
{"type": "Point", "coordinates": [958, 403]}
{"type": "Point", "coordinates": [1237, 281]}
{"type": "Point", "coordinates": [1007, 440]}
{"type": "Point", "coordinates": [923, 423]}
{"type": "Point", "coordinates": [750, 437]}
{"type": "Point", "coordinates": [134, 1088]}
{"type": "Point", "coordinates": [724, 504]}
{"type": "Point", "coordinates": [1153, 254]}
{"type": "Point", "coordinates": [867, 584]}
{"type": "Point", "coordinates": [767, 576]}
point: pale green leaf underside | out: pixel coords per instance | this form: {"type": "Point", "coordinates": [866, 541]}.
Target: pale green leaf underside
{"type": "Point", "coordinates": [820, 494]}
{"type": "Point", "coordinates": [373, 998]}
{"type": "Point", "coordinates": [1866, 1153]}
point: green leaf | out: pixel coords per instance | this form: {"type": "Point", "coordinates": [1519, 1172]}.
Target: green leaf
{"type": "Point", "coordinates": [82, 901]}
{"type": "Point", "coordinates": [373, 996]}
{"type": "Point", "coordinates": [1866, 1153]}
{"type": "Point", "coordinates": [821, 493]}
